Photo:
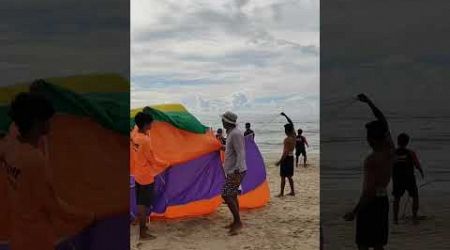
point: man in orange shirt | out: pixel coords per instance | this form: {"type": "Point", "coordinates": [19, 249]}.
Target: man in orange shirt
{"type": "Point", "coordinates": [34, 205]}
{"type": "Point", "coordinates": [142, 171]}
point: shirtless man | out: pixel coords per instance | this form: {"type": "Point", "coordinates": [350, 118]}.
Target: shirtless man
{"type": "Point", "coordinates": [286, 162]}
{"type": "Point", "coordinates": [372, 210]}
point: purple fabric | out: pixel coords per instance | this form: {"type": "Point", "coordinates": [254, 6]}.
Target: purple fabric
{"type": "Point", "coordinates": [195, 180]}
{"type": "Point", "coordinates": [199, 179]}
{"type": "Point", "coordinates": [256, 170]}
{"type": "Point", "coordinates": [109, 234]}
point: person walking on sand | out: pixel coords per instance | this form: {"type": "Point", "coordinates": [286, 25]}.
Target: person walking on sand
{"type": "Point", "coordinates": [249, 131]}
{"type": "Point", "coordinates": [300, 148]}
{"type": "Point", "coordinates": [235, 168]}
{"type": "Point", "coordinates": [33, 203]}
{"type": "Point", "coordinates": [286, 162]}
{"type": "Point", "coordinates": [372, 210]}
{"type": "Point", "coordinates": [403, 178]}
{"type": "Point", "coordinates": [142, 171]}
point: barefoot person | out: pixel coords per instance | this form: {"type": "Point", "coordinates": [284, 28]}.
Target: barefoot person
{"type": "Point", "coordinates": [235, 168]}
{"type": "Point", "coordinates": [34, 205]}
{"type": "Point", "coordinates": [300, 148]}
{"type": "Point", "coordinates": [286, 162]}
{"type": "Point", "coordinates": [142, 171]}
{"type": "Point", "coordinates": [372, 210]}
{"type": "Point", "coordinates": [403, 178]}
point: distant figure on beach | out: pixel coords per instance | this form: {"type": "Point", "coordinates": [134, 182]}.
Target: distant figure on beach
{"type": "Point", "coordinates": [286, 162]}
{"type": "Point", "coordinates": [235, 169]}
{"type": "Point", "coordinates": [143, 172]}
{"type": "Point", "coordinates": [33, 201]}
{"type": "Point", "coordinates": [372, 210]}
{"type": "Point", "coordinates": [403, 178]}
{"type": "Point", "coordinates": [220, 137]}
{"type": "Point", "coordinates": [300, 148]}
{"type": "Point", "coordinates": [248, 130]}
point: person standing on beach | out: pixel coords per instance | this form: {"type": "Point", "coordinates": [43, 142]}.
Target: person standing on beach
{"type": "Point", "coordinates": [235, 169]}
{"type": "Point", "coordinates": [33, 203]}
{"type": "Point", "coordinates": [300, 148]}
{"type": "Point", "coordinates": [403, 178]}
{"type": "Point", "coordinates": [142, 171]}
{"type": "Point", "coordinates": [248, 130]}
{"type": "Point", "coordinates": [220, 137]}
{"type": "Point", "coordinates": [286, 162]}
{"type": "Point", "coordinates": [372, 210]}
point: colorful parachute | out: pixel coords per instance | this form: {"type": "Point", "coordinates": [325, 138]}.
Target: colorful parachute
{"type": "Point", "coordinates": [190, 175]}
{"type": "Point", "coordinates": [87, 153]}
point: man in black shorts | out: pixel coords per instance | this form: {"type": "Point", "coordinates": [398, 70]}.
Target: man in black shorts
{"type": "Point", "coordinates": [286, 162]}
{"type": "Point", "coordinates": [235, 168]}
{"type": "Point", "coordinates": [372, 210]}
{"type": "Point", "coordinates": [143, 171]}
{"type": "Point", "coordinates": [300, 147]}
{"type": "Point", "coordinates": [403, 177]}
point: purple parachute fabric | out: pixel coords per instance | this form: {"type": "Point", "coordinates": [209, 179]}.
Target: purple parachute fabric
{"type": "Point", "coordinates": [195, 180]}
{"type": "Point", "coordinates": [98, 236]}
{"type": "Point", "coordinates": [200, 179]}
{"type": "Point", "coordinates": [256, 172]}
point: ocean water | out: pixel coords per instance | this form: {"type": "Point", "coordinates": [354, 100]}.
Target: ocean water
{"type": "Point", "coordinates": [269, 131]}
{"type": "Point", "coordinates": [344, 148]}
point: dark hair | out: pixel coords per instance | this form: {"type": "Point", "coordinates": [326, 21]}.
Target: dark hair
{"type": "Point", "coordinates": [27, 108]}
{"type": "Point", "coordinates": [247, 124]}
{"type": "Point", "coordinates": [376, 130]}
{"type": "Point", "coordinates": [288, 128]}
{"type": "Point", "coordinates": [300, 131]}
{"type": "Point", "coordinates": [142, 119]}
{"type": "Point", "coordinates": [403, 139]}
{"type": "Point", "coordinates": [219, 130]}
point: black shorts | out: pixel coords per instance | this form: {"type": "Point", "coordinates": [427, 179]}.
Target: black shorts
{"type": "Point", "coordinates": [300, 151]}
{"type": "Point", "coordinates": [400, 185]}
{"type": "Point", "coordinates": [287, 167]}
{"type": "Point", "coordinates": [372, 223]}
{"type": "Point", "coordinates": [144, 194]}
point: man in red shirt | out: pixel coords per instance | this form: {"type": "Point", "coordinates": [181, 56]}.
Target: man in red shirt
{"type": "Point", "coordinates": [403, 178]}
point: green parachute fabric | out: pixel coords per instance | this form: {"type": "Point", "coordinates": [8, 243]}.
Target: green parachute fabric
{"type": "Point", "coordinates": [179, 118]}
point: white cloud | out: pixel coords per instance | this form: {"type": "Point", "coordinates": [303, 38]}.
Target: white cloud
{"type": "Point", "coordinates": [215, 55]}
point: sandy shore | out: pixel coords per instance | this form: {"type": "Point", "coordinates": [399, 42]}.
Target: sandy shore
{"type": "Point", "coordinates": [287, 223]}
{"type": "Point", "coordinates": [430, 233]}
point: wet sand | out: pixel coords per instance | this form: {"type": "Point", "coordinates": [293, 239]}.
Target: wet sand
{"type": "Point", "coordinates": [430, 233]}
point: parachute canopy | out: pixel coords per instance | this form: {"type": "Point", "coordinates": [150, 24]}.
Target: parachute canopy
{"type": "Point", "coordinates": [190, 182]}
{"type": "Point", "coordinates": [87, 145]}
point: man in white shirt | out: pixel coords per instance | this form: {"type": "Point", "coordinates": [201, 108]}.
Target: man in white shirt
{"type": "Point", "coordinates": [234, 167]}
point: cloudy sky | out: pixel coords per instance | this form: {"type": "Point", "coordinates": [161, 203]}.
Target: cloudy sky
{"type": "Point", "coordinates": [401, 61]}
{"type": "Point", "coordinates": [50, 38]}
{"type": "Point", "coordinates": [244, 55]}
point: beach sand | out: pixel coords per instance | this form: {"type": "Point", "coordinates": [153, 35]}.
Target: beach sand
{"type": "Point", "coordinates": [285, 223]}
{"type": "Point", "coordinates": [430, 233]}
